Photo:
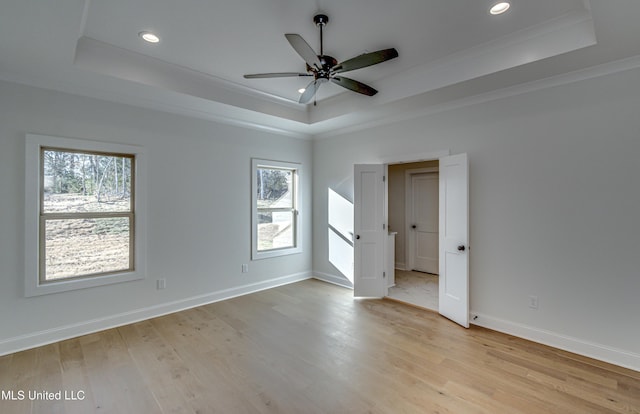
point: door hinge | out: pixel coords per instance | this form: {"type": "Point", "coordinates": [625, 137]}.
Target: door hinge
{"type": "Point", "coordinates": [384, 274]}
{"type": "Point", "coordinates": [384, 226]}
{"type": "Point", "coordinates": [384, 178]}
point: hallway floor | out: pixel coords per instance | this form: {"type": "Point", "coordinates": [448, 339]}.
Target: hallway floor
{"type": "Point", "coordinates": [416, 288]}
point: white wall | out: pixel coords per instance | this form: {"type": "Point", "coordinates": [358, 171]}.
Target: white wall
{"type": "Point", "coordinates": [198, 219]}
{"type": "Point", "coordinates": [554, 200]}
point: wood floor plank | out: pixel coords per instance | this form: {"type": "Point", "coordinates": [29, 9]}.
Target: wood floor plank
{"type": "Point", "coordinates": [115, 384]}
{"type": "Point", "coordinates": [48, 380]}
{"type": "Point", "coordinates": [20, 377]}
{"type": "Point", "coordinates": [255, 367]}
{"type": "Point", "coordinates": [160, 368]}
{"type": "Point", "coordinates": [207, 381]}
{"type": "Point", "coordinates": [75, 377]}
{"type": "Point", "coordinates": [310, 347]}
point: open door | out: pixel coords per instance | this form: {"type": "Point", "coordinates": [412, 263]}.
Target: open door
{"type": "Point", "coordinates": [454, 239]}
{"type": "Point", "coordinates": [369, 203]}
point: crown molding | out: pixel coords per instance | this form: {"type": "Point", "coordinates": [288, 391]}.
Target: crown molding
{"type": "Point", "coordinates": [176, 104]}
{"type": "Point", "coordinates": [402, 114]}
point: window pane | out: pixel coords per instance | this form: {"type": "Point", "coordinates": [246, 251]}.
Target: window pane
{"type": "Point", "coordinates": [275, 230]}
{"type": "Point", "coordinates": [274, 187]}
{"type": "Point", "coordinates": [78, 247]}
{"type": "Point", "coordinates": [81, 182]}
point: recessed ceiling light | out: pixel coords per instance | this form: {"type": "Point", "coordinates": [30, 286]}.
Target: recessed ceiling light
{"type": "Point", "coordinates": [149, 37]}
{"type": "Point", "coordinates": [301, 90]}
{"type": "Point", "coordinates": [500, 7]}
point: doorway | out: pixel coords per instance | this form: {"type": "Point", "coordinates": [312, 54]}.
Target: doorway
{"type": "Point", "coordinates": [371, 233]}
{"type": "Point", "coordinates": [413, 214]}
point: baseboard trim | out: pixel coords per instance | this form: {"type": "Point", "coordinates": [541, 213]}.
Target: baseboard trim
{"type": "Point", "coordinates": [334, 279]}
{"type": "Point", "coordinates": [45, 337]}
{"type": "Point", "coordinates": [593, 350]}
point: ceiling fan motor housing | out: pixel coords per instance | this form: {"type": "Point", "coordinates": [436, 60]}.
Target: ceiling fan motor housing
{"type": "Point", "coordinates": [328, 62]}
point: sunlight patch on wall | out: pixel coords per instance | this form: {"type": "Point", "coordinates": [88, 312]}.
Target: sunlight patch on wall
{"type": "Point", "coordinates": [341, 214]}
{"type": "Point", "coordinates": [341, 234]}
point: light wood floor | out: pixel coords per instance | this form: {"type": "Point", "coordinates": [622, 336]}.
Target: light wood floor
{"type": "Point", "coordinates": [310, 347]}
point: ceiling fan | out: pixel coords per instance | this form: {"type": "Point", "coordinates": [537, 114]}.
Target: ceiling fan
{"type": "Point", "coordinates": [325, 68]}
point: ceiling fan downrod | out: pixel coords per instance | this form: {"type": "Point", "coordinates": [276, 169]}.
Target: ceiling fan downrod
{"type": "Point", "coordinates": [321, 20]}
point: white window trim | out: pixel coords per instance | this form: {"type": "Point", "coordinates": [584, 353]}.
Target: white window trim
{"type": "Point", "coordinates": [34, 143]}
{"type": "Point", "coordinates": [255, 254]}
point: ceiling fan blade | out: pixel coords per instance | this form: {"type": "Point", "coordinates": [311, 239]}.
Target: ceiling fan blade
{"type": "Point", "coordinates": [309, 92]}
{"type": "Point", "coordinates": [354, 85]}
{"type": "Point", "coordinates": [275, 75]}
{"type": "Point", "coordinates": [364, 60]}
{"type": "Point", "coordinates": [304, 50]}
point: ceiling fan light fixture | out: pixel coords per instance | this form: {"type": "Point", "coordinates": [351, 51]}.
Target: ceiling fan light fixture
{"type": "Point", "coordinates": [149, 37]}
{"type": "Point", "coordinates": [500, 8]}
{"type": "Point", "coordinates": [301, 90]}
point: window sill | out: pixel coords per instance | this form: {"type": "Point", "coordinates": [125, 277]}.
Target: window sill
{"type": "Point", "coordinates": [275, 253]}
{"type": "Point", "coordinates": [59, 286]}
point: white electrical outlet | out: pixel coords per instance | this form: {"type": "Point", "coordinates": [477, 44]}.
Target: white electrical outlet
{"type": "Point", "coordinates": [533, 302]}
{"type": "Point", "coordinates": [161, 284]}
{"type": "Point", "coordinates": [245, 268]}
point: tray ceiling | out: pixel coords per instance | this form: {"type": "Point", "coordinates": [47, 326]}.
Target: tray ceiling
{"type": "Point", "coordinates": [93, 48]}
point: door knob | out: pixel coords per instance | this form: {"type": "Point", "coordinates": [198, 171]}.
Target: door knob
{"type": "Point", "coordinates": [414, 226]}
{"type": "Point", "coordinates": [461, 248]}
{"type": "Point", "coordinates": [357, 237]}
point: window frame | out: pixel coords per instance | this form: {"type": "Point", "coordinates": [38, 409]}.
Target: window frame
{"type": "Point", "coordinates": [296, 169]}
{"type": "Point", "coordinates": [35, 218]}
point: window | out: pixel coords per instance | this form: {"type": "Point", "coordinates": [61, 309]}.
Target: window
{"type": "Point", "coordinates": [82, 214]}
{"type": "Point", "coordinates": [275, 224]}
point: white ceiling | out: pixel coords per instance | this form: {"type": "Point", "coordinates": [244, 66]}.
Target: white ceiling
{"type": "Point", "coordinates": [449, 49]}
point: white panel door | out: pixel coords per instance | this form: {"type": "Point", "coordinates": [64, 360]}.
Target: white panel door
{"type": "Point", "coordinates": [424, 222]}
{"type": "Point", "coordinates": [454, 239]}
{"type": "Point", "coordinates": [369, 232]}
